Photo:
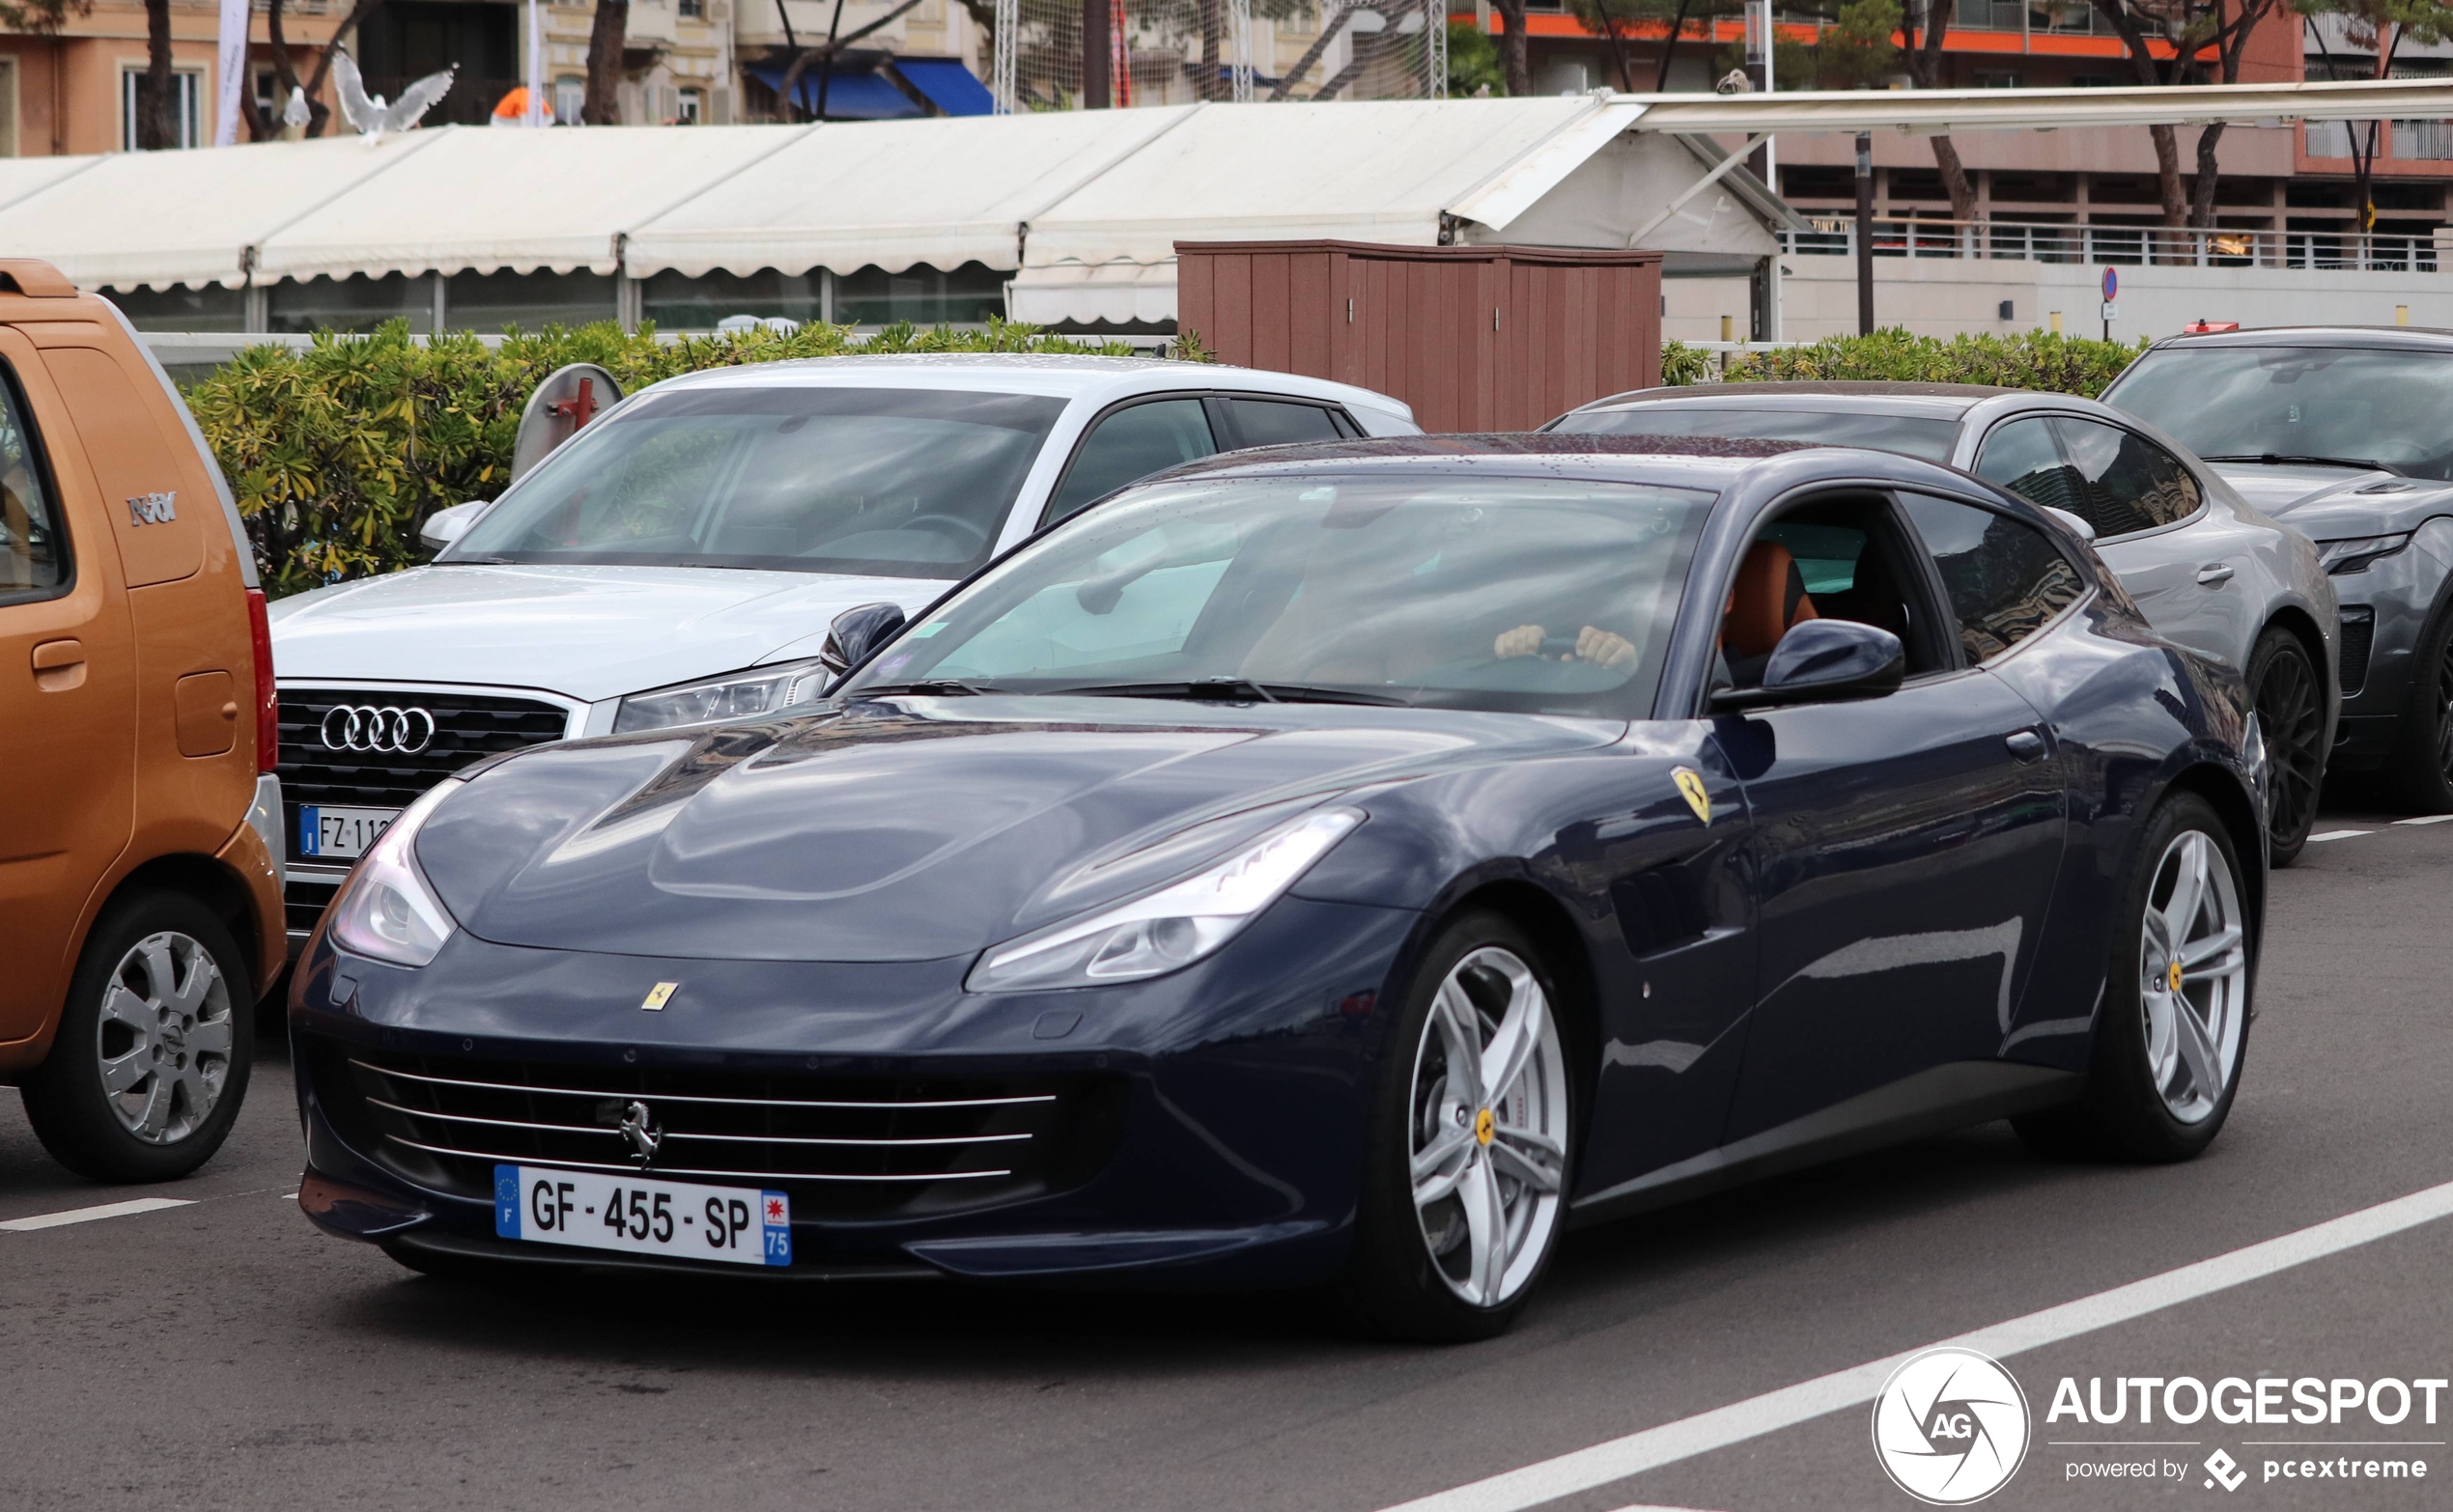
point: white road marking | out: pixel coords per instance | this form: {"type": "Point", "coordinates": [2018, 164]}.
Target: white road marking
{"type": "Point", "coordinates": [2338, 834]}
{"type": "Point", "coordinates": [2425, 818]}
{"type": "Point", "coordinates": [1620, 1458]}
{"type": "Point", "coordinates": [107, 1210]}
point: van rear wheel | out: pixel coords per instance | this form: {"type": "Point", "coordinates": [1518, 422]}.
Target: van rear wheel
{"type": "Point", "coordinates": [150, 1064]}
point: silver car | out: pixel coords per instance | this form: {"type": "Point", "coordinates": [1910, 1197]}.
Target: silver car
{"type": "Point", "coordinates": [2210, 571]}
{"type": "Point", "coordinates": [2345, 435]}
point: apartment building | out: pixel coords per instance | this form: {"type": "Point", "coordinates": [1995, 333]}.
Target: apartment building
{"type": "Point", "coordinates": [2278, 179]}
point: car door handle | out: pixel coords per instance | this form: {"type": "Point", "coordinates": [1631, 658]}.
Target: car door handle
{"type": "Point", "coordinates": [2025, 745]}
{"type": "Point", "coordinates": [59, 665]}
{"type": "Point", "coordinates": [2214, 574]}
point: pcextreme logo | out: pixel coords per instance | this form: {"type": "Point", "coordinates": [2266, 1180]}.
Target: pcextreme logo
{"type": "Point", "coordinates": [1950, 1426]}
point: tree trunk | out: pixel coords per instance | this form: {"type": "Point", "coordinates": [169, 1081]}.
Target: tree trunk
{"type": "Point", "coordinates": [2202, 201]}
{"type": "Point", "coordinates": [1925, 70]}
{"type": "Point", "coordinates": [2167, 175]}
{"type": "Point", "coordinates": [1668, 49]}
{"type": "Point", "coordinates": [319, 114]}
{"type": "Point", "coordinates": [1617, 44]}
{"type": "Point", "coordinates": [156, 126]}
{"type": "Point", "coordinates": [603, 104]}
{"type": "Point", "coordinates": [1511, 47]}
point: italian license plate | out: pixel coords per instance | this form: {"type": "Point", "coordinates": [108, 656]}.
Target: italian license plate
{"type": "Point", "coordinates": [682, 1220]}
{"type": "Point", "coordinates": [341, 832]}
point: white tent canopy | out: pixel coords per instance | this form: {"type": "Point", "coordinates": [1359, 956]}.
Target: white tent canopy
{"type": "Point", "coordinates": [1083, 207]}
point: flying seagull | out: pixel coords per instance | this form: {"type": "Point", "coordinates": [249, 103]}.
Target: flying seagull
{"type": "Point", "coordinates": [371, 116]}
{"type": "Point", "coordinates": [295, 112]}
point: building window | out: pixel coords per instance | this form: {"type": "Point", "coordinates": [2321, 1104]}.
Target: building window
{"type": "Point", "coordinates": [8, 107]}
{"type": "Point", "coordinates": [688, 104]}
{"type": "Point", "coordinates": [693, 10]}
{"type": "Point", "coordinates": [186, 89]}
{"type": "Point", "coordinates": [570, 94]}
{"type": "Point", "coordinates": [1996, 80]}
{"type": "Point", "coordinates": [2420, 141]}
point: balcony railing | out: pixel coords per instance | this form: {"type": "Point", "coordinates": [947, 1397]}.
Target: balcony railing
{"type": "Point", "coordinates": [2161, 245]}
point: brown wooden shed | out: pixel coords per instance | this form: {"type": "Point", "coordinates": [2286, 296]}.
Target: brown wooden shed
{"type": "Point", "coordinates": [1476, 338]}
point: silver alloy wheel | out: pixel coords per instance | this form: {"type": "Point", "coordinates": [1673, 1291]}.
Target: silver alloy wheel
{"type": "Point", "coordinates": [1489, 1127]}
{"type": "Point", "coordinates": [2193, 976]}
{"type": "Point", "coordinates": [163, 1037]}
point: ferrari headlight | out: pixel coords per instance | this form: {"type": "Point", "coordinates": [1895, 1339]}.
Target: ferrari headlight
{"type": "Point", "coordinates": [737, 695]}
{"type": "Point", "coordinates": [1175, 926]}
{"type": "Point", "coordinates": [2355, 553]}
{"type": "Point", "coordinates": [386, 910]}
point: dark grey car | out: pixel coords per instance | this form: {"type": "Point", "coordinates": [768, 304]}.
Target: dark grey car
{"type": "Point", "coordinates": [2346, 434]}
{"type": "Point", "coordinates": [2209, 569]}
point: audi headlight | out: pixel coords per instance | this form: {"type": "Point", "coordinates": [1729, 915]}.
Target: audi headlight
{"type": "Point", "coordinates": [1173, 926]}
{"type": "Point", "coordinates": [2355, 553]}
{"type": "Point", "coordinates": [736, 695]}
{"type": "Point", "coordinates": [386, 910]}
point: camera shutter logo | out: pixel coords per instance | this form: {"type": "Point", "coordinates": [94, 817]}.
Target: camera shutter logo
{"type": "Point", "coordinates": [1951, 1426]}
{"type": "Point", "coordinates": [388, 730]}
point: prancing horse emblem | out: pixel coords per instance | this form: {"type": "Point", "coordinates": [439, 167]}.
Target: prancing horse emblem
{"type": "Point", "coordinates": [638, 1127]}
{"type": "Point", "coordinates": [1690, 783]}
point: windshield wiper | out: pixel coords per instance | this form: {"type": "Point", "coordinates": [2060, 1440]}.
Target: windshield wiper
{"type": "Point", "coordinates": [477, 561]}
{"type": "Point", "coordinates": [941, 687]}
{"type": "Point", "coordinates": [2305, 458]}
{"type": "Point", "coordinates": [1230, 690]}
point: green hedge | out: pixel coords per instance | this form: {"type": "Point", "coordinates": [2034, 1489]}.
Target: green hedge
{"type": "Point", "coordinates": [339, 452]}
{"type": "Point", "coordinates": [2033, 360]}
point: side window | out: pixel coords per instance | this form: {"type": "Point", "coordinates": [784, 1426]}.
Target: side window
{"type": "Point", "coordinates": [2004, 579]}
{"type": "Point", "coordinates": [1271, 422]}
{"type": "Point", "coordinates": [2130, 484]}
{"type": "Point", "coordinates": [2023, 458]}
{"type": "Point", "coordinates": [33, 557]}
{"type": "Point", "coordinates": [1129, 444]}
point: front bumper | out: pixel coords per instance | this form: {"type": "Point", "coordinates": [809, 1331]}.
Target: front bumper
{"type": "Point", "coordinates": [1204, 1129]}
{"type": "Point", "coordinates": [2385, 607]}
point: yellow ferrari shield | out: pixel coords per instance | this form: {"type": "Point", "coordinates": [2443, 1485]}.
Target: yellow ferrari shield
{"type": "Point", "coordinates": [1690, 783]}
{"type": "Point", "coordinates": [659, 995]}
{"type": "Point", "coordinates": [1485, 1127]}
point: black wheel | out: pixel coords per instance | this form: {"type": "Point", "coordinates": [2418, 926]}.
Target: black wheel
{"type": "Point", "coordinates": [2419, 773]}
{"type": "Point", "coordinates": [2173, 1030]}
{"type": "Point", "coordinates": [2291, 712]}
{"type": "Point", "coordinates": [155, 1043]}
{"type": "Point", "coordinates": [1468, 1157]}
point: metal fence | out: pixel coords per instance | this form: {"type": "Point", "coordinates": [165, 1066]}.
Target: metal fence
{"type": "Point", "coordinates": [2043, 241]}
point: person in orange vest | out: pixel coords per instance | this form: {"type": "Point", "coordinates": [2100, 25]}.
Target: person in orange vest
{"type": "Point", "coordinates": [512, 110]}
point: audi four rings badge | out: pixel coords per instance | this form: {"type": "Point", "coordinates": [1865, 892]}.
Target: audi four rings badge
{"type": "Point", "coordinates": [153, 509]}
{"type": "Point", "coordinates": [400, 732]}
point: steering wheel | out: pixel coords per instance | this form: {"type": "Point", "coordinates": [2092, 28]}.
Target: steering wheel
{"type": "Point", "coordinates": [977, 532]}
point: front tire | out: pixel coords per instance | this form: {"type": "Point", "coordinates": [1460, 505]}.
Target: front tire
{"type": "Point", "coordinates": [150, 1064]}
{"type": "Point", "coordinates": [2419, 773]}
{"type": "Point", "coordinates": [1468, 1159]}
{"type": "Point", "coordinates": [2291, 712]}
{"type": "Point", "coordinates": [2173, 1031]}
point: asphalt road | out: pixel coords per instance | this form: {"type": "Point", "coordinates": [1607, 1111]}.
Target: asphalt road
{"type": "Point", "coordinates": [224, 1354]}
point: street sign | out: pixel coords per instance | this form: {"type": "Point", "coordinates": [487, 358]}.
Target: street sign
{"type": "Point", "coordinates": [2112, 285]}
{"type": "Point", "coordinates": [2111, 312]}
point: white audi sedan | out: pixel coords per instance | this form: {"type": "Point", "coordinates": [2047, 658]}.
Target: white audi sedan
{"type": "Point", "coordinates": [677, 562]}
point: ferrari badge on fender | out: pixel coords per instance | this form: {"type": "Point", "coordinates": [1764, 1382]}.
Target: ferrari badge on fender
{"type": "Point", "coordinates": [1690, 783]}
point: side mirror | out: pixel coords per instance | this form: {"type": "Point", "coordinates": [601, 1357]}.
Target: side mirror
{"type": "Point", "coordinates": [2077, 525]}
{"type": "Point", "coordinates": [1823, 661]}
{"type": "Point", "coordinates": [445, 527]}
{"type": "Point", "coordinates": [853, 633]}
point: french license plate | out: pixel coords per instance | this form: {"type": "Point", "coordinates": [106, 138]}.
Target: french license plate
{"type": "Point", "coordinates": [681, 1219]}
{"type": "Point", "coordinates": [341, 832]}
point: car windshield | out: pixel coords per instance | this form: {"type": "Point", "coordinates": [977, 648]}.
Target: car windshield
{"type": "Point", "coordinates": [899, 482]}
{"type": "Point", "coordinates": [1917, 435]}
{"type": "Point", "coordinates": [2358, 407]}
{"type": "Point", "coordinates": [1540, 595]}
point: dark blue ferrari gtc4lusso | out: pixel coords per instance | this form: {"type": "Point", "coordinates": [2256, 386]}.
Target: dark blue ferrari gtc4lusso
{"type": "Point", "coordinates": [1342, 864]}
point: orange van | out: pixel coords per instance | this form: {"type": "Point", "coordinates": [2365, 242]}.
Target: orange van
{"type": "Point", "coordinates": [140, 900]}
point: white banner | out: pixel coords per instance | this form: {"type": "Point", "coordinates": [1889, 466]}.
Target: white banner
{"type": "Point", "coordinates": [234, 71]}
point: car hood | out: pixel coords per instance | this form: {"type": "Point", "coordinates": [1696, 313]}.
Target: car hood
{"type": "Point", "coordinates": [911, 828]}
{"type": "Point", "coordinates": [2330, 504]}
{"type": "Point", "coordinates": [586, 632]}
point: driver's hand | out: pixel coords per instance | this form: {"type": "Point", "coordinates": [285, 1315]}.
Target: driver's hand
{"type": "Point", "coordinates": [1525, 640]}
{"type": "Point", "coordinates": [1604, 648]}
